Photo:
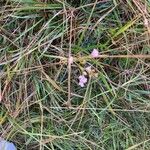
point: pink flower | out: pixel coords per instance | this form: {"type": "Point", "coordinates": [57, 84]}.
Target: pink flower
{"type": "Point", "coordinates": [95, 53]}
{"type": "Point", "coordinates": [70, 60]}
{"type": "Point", "coordinates": [82, 80]}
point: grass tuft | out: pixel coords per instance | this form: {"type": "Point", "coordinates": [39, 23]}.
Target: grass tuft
{"type": "Point", "coordinates": [42, 105]}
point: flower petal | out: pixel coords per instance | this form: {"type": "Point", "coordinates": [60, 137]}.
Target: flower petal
{"type": "Point", "coordinates": [70, 60]}
{"type": "Point", "coordinates": [81, 84]}
{"type": "Point", "coordinates": [82, 79]}
{"type": "Point", "coordinates": [95, 53]}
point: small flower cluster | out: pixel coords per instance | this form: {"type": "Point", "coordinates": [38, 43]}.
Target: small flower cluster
{"type": "Point", "coordinates": [82, 78]}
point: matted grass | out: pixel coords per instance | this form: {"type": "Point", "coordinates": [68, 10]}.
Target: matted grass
{"type": "Point", "coordinates": [42, 105]}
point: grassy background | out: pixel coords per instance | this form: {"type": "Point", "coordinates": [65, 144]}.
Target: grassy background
{"type": "Point", "coordinates": [112, 112]}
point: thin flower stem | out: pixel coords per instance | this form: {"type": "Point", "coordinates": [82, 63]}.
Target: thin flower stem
{"type": "Point", "coordinates": [69, 65]}
{"type": "Point", "coordinates": [114, 56]}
